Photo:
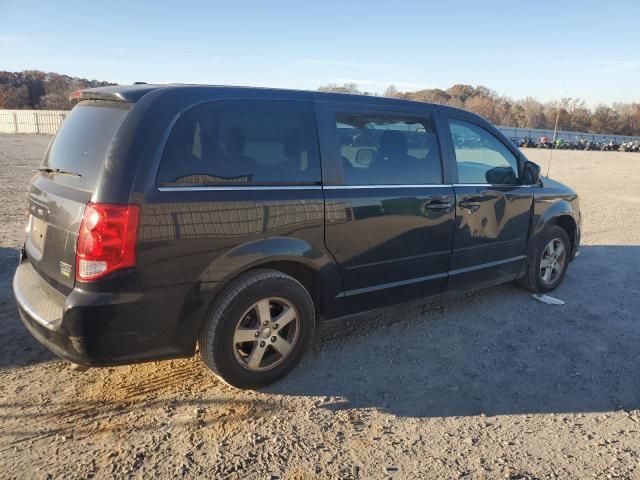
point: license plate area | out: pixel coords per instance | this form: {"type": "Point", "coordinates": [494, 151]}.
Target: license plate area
{"type": "Point", "coordinates": [37, 233]}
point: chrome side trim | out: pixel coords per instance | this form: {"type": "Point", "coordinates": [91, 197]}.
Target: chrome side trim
{"type": "Point", "coordinates": [488, 185]}
{"type": "Point", "coordinates": [401, 259]}
{"type": "Point", "coordinates": [326, 187]}
{"type": "Point", "coordinates": [471, 185]}
{"type": "Point", "coordinates": [486, 265]}
{"type": "Point", "coordinates": [493, 244]}
{"type": "Point", "coordinates": [239, 187]}
{"type": "Point", "coordinates": [356, 187]}
{"type": "Point", "coordinates": [383, 286]}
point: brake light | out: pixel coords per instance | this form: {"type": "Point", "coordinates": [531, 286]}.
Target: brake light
{"type": "Point", "coordinates": [107, 240]}
{"type": "Point", "coordinates": [75, 95]}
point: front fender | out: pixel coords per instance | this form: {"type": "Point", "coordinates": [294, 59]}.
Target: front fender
{"type": "Point", "coordinates": [547, 210]}
{"type": "Point", "coordinates": [558, 205]}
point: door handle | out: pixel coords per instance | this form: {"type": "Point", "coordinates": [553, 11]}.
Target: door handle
{"type": "Point", "coordinates": [436, 205]}
{"type": "Point", "coordinates": [469, 205]}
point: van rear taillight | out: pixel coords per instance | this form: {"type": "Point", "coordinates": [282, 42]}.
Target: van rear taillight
{"type": "Point", "coordinates": [107, 240]}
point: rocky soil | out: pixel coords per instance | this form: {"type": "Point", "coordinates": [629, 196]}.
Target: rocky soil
{"type": "Point", "coordinates": [488, 385]}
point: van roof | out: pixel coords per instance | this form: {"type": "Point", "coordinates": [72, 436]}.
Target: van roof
{"type": "Point", "coordinates": [133, 93]}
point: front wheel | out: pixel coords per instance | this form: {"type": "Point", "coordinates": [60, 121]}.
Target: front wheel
{"type": "Point", "coordinates": [548, 261]}
{"type": "Point", "coordinates": [259, 329]}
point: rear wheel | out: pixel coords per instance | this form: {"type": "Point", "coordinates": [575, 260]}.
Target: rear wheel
{"type": "Point", "coordinates": [259, 329]}
{"type": "Point", "coordinates": [548, 261]}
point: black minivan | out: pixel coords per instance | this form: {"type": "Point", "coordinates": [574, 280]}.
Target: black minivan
{"type": "Point", "coordinates": [167, 218]}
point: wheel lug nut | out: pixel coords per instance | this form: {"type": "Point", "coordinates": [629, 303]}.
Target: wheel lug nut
{"type": "Point", "coordinates": [273, 339]}
{"type": "Point", "coordinates": [257, 334]}
{"type": "Point", "coordinates": [265, 323]}
{"type": "Point", "coordinates": [262, 344]}
{"type": "Point", "coordinates": [275, 327]}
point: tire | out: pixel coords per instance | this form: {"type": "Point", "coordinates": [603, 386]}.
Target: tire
{"type": "Point", "coordinates": [534, 280]}
{"type": "Point", "coordinates": [236, 343]}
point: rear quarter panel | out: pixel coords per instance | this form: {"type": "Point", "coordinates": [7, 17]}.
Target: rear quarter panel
{"type": "Point", "coordinates": [202, 238]}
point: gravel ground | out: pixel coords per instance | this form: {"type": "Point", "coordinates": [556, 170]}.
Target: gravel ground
{"type": "Point", "coordinates": [488, 385]}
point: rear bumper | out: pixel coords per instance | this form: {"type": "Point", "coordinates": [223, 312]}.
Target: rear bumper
{"type": "Point", "coordinates": [103, 329]}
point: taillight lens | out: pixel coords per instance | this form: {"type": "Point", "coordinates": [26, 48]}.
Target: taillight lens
{"type": "Point", "coordinates": [107, 240]}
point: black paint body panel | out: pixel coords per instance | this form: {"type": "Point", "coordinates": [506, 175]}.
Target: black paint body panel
{"type": "Point", "coordinates": [495, 232]}
{"type": "Point", "coordinates": [390, 247]}
{"type": "Point", "coordinates": [362, 248]}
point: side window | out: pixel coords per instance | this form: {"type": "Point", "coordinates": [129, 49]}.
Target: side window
{"type": "Point", "coordinates": [243, 142]}
{"type": "Point", "coordinates": [481, 157]}
{"type": "Point", "coordinates": [388, 150]}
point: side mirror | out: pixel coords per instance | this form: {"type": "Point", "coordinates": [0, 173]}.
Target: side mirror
{"type": "Point", "coordinates": [530, 173]}
{"type": "Point", "coordinates": [365, 156]}
{"type": "Point", "coordinates": [501, 176]}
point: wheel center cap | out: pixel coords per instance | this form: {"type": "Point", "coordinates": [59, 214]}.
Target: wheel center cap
{"type": "Point", "coordinates": [266, 333]}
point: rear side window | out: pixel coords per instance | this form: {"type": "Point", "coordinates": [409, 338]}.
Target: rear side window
{"type": "Point", "coordinates": [388, 150]}
{"type": "Point", "coordinates": [82, 142]}
{"type": "Point", "coordinates": [481, 157]}
{"type": "Point", "coordinates": [243, 142]}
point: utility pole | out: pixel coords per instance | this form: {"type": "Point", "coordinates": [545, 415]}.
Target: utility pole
{"type": "Point", "coordinates": [555, 129]}
{"type": "Point", "coordinates": [555, 134]}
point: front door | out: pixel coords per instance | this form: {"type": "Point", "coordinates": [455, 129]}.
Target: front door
{"type": "Point", "coordinates": [389, 217]}
{"type": "Point", "coordinates": [492, 208]}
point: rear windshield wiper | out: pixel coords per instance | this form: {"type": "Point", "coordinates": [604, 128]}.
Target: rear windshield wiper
{"type": "Point", "coordinates": [57, 171]}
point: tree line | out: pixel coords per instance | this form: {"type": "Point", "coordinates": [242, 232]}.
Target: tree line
{"type": "Point", "coordinates": [33, 89]}
{"type": "Point", "coordinates": [572, 114]}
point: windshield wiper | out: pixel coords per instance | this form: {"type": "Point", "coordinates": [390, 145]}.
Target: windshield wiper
{"type": "Point", "coordinates": [57, 171]}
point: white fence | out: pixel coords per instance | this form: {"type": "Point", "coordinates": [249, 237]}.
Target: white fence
{"type": "Point", "coordinates": [48, 121]}
{"type": "Point", "coordinates": [31, 121]}
{"type": "Point", "coordinates": [534, 133]}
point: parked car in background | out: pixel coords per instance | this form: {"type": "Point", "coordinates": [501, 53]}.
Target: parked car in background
{"type": "Point", "coordinates": [166, 218]}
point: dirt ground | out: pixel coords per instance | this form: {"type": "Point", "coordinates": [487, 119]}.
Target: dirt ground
{"type": "Point", "coordinates": [488, 385]}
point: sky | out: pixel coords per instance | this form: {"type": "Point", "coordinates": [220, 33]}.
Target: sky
{"type": "Point", "coordinates": [544, 49]}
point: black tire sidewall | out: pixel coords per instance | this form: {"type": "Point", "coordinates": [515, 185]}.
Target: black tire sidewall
{"type": "Point", "coordinates": [221, 353]}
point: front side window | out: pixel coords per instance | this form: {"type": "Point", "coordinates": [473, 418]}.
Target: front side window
{"type": "Point", "coordinates": [243, 142]}
{"type": "Point", "coordinates": [481, 157]}
{"type": "Point", "coordinates": [388, 150]}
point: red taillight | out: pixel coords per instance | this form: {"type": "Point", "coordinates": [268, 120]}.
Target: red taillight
{"type": "Point", "coordinates": [75, 95]}
{"type": "Point", "coordinates": [107, 240]}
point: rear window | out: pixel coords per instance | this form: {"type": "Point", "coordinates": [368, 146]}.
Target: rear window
{"type": "Point", "coordinates": [82, 141]}
{"type": "Point", "coordinates": [243, 142]}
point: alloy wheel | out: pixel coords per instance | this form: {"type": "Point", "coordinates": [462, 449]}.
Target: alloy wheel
{"type": "Point", "coordinates": [554, 257]}
{"type": "Point", "coordinates": [265, 334]}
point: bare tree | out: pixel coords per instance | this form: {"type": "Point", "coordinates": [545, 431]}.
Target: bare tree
{"type": "Point", "coordinates": [33, 89]}
{"type": "Point", "coordinates": [36, 89]}
{"type": "Point", "coordinates": [344, 88]}
{"type": "Point", "coordinates": [391, 92]}
{"type": "Point", "coordinates": [533, 113]}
